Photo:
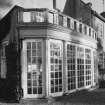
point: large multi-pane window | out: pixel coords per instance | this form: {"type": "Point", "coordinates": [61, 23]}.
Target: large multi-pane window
{"type": "Point", "coordinates": [56, 67]}
{"type": "Point", "coordinates": [88, 66]}
{"type": "Point", "coordinates": [74, 68]}
{"type": "Point", "coordinates": [71, 77]}
{"type": "Point", "coordinates": [34, 67]}
{"type": "Point", "coordinates": [80, 66]}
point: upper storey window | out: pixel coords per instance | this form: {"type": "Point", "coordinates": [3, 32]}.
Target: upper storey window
{"type": "Point", "coordinates": [50, 17]}
{"type": "Point", "coordinates": [68, 22]}
{"type": "Point", "coordinates": [26, 16]}
{"type": "Point", "coordinates": [39, 17]}
{"type": "Point", "coordinates": [61, 20]}
{"type": "Point", "coordinates": [89, 31]}
{"type": "Point", "coordinates": [80, 27]}
{"type": "Point", "coordinates": [32, 16]}
{"type": "Point", "coordinates": [75, 25]}
{"type": "Point", "coordinates": [85, 29]}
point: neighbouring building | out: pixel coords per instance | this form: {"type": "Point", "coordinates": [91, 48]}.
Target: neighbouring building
{"type": "Point", "coordinates": [46, 52]}
{"type": "Point", "coordinates": [84, 13]}
{"type": "Point", "coordinates": [97, 5]}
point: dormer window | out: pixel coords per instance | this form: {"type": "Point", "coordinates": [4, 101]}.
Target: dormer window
{"type": "Point", "coordinates": [39, 17]}
{"type": "Point", "coordinates": [26, 16]}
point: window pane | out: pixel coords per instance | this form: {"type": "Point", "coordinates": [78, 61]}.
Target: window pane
{"type": "Point", "coordinates": [3, 68]}
{"type": "Point", "coordinates": [28, 45]}
{"type": "Point", "coordinates": [80, 27]}
{"type": "Point", "coordinates": [26, 16]}
{"type": "Point", "coordinates": [80, 66]}
{"type": "Point", "coordinates": [71, 66]}
{"type": "Point", "coordinates": [68, 22]}
{"type": "Point", "coordinates": [50, 17]}
{"type": "Point", "coordinates": [75, 25]}
{"type": "Point", "coordinates": [61, 20]}
{"type": "Point", "coordinates": [56, 66]}
{"type": "Point", "coordinates": [88, 66]}
{"type": "Point", "coordinates": [39, 16]}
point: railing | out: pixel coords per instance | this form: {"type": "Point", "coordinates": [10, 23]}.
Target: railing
{"type": "Point", "coordinates": [44, 15]}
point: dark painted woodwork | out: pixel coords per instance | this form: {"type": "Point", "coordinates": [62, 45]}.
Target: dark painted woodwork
{"type": "Point", "coordinates": [5, 26]}
{"type": "Point", "coordinates": [10, 87]}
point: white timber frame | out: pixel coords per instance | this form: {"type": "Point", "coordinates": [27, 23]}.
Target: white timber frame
{"type": "Point", "coordinates": [54, 41]}
{"type": "Point", "coordinates": [46, 67]}
{"type": "Point", "coordinates": [24, 69]}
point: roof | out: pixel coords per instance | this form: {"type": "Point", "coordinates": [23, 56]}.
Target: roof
{"type": "Point", "coordinates": [98, 15]}
{"type": "Point", "coordinates": [103, 14]}
{"type": "Point", "coordinates": [4, 11]}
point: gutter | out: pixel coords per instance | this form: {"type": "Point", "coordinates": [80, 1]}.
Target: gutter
{"type": "Point", "coordinates": [98, 15]}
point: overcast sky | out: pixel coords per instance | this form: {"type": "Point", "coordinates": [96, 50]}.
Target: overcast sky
{"type": "Point", "coordinates": [97, 5]}
{"type": "Point", "coordinates": [6, 5]}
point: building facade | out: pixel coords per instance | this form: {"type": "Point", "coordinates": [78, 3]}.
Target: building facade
{"type": "Point", "coordinates": [46, 53]}
{"type": "Point", "coordinates": [86, 14]}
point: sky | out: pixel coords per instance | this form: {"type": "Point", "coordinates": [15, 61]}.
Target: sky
{"type": "Point", "coordinates": [97, 5]}
{"type": "Point", "coordinates": [6, 5]}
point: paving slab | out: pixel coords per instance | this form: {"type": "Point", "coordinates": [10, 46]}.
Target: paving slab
{"type": "Point", "coordinates": [84, 97]}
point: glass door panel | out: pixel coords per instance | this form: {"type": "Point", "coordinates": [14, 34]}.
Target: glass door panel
{"type": "Point", "coordinates": [34, 67]}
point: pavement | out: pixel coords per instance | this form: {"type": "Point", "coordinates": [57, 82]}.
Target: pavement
{"type": "Point", "coordinates": [84, 97]}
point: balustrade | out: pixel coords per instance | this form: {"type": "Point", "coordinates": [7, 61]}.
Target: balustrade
{"type": "Point", "coordinates": [56, 18]}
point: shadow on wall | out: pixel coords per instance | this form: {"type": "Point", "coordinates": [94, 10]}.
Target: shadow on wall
{"type": "Point", "coordinates": [10, 88]}
{"type": "Point", "coordinates": [5, 26]}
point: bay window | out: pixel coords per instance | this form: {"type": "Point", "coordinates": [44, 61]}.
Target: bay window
{"type": "Point", "coordinates": [56, 63]}
{"type": "Point", "coordinates": [71, 71]}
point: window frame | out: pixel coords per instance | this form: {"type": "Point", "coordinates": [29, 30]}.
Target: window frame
{"type": "Point", "coordinates": [3, 66]}
{"type": "Point", "coordinates": [25, 68]}
{"type": "Point", "coordinates": [61, 57]}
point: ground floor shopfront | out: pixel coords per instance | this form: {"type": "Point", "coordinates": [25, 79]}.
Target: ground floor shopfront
{"type": "Point", "coordinates": [52, 67]}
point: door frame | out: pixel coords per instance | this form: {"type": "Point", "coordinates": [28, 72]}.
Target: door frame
{"type": "Point", "coordinates": [24, 69]}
